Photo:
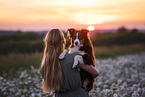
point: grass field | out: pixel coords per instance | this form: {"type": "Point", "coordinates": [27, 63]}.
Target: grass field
{"type": "Point", "coordinates": [122, 76]}
{"type": "Point", "coordinates": [102, 52]}
{"type": "Point", "coordinates": [14, 61]}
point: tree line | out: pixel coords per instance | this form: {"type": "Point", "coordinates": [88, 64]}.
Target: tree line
{"type": "Point", "coordinates": [122, 36]}
{"type": "Point", "coordinates": [32, 42]}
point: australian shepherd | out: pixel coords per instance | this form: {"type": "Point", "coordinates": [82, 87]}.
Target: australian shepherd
{"type": "Point", "coordinates": [81, 43]}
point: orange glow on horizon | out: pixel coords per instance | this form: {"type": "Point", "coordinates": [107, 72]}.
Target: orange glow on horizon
{"type": "Point", "coordinates": [33, 14]}
{"type": "Point", "coordinates": [91, 28]}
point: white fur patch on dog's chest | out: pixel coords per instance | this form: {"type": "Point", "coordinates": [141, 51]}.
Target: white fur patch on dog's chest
{"type": "Point", "coordinates": [76, 49]}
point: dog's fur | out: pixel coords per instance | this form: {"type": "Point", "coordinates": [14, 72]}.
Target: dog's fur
{"type": "Point", "coordinates": [81, 43]}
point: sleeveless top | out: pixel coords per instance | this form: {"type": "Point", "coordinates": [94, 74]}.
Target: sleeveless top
{"type": "Point", "coordinates": [71, 81]}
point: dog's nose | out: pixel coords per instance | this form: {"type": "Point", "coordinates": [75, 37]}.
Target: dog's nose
{"type": "Point", "coordinates": [76, 43]}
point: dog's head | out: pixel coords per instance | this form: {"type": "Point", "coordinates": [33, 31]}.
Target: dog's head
{"type": "Point", "coordinates": [78, 36]}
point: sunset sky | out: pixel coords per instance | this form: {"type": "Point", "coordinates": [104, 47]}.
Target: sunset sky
{"type": "Point", "coordinates": [63, 14]}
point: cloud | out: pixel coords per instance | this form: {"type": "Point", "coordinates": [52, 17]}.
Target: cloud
{"type": "Point", "coordinates": [91, 19]}
{"type": "Point", "coordinates": [70, 11]}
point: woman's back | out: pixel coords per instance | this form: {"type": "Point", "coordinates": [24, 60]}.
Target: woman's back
{"type": "Point", "coordinates": [71, 81]}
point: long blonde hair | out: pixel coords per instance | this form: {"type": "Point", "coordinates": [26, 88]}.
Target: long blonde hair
{"type": "Point", "coordinates": [54, 45]}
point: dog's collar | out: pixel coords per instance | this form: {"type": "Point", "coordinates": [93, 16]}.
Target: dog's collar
{"type": "Point", "coordinates": [62, 55]}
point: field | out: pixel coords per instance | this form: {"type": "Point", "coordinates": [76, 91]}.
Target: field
{"type": "Point", "coordinates": [102, 52]}
{"type": "Point", "coordinates": [122, 76]}
{"type": "Point", "coordinates": [14, 61]}
{"type": "Point", "coordinates": [121, 73]}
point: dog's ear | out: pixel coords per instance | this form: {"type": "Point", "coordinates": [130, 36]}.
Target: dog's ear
{"type": "Point", "coordinates": [85, 32]}
{"type": "Point", "coordinates": [71, 32]}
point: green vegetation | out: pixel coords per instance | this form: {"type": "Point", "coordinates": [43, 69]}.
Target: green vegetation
{"type": "Point", "coordinates": [20, 50]}
{"type": "Point", "coordinates": [102, 52]}
{"type": "Point", "coordinates": [121, 37]}
{"type": "Point", "coordinates": [32, 42]}
{"type": "Point", "coordinates": [21, 43]}
{"type": "Point", "coordinates": [12, 62]}
{"type": "Point", "coordinates": [122, 76]}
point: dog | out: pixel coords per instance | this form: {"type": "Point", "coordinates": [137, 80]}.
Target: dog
{"type": "Point", "coordinates": [81, 43]}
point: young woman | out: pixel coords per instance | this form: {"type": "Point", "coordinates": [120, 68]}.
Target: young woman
{"type": "Point", "coordinates": [56, 68]}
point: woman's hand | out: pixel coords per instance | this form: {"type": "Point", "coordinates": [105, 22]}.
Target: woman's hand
{"type": "Point", "coordinates": [91, 69]}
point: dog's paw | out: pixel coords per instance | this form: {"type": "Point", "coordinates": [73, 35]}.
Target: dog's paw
{"type": "Point", "coordinates": [74, 65]}
{"type": "Point", "coordinates": [77, 59]}
{"type": "Point", "coordinates": [85, 83]}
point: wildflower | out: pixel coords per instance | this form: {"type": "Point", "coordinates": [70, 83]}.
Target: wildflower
{"type": "Point", "coordinates": [107, 90]}
{"type": "Point", "coordinates": [115, 95]}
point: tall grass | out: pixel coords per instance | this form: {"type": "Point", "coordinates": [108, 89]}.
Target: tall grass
{"type": "Point", "coordinates": [102, 52]}
{"type": "Point", "coordinates": [12, 62]}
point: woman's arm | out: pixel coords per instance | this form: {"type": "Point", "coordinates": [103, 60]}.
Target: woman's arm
{"type": "Point", "coordinates": [91, 69]}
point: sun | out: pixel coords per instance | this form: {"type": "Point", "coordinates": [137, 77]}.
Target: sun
{"type": "Point", "coordinates": [91, 28]}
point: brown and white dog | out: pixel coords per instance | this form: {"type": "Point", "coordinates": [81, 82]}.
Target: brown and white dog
{"type": "Point", "coordinates": [81, 43]}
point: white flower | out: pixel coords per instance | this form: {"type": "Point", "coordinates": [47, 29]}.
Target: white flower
{"type": "Point", "coordinates": [115, 95]}
{"type": "Point", "coordinates": [33, 95]}
{"type": "Point", "coordinates": [117, 75]}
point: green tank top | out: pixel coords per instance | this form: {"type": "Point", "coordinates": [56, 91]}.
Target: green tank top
{"type": "Point", "coordinates": [71, 83]}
